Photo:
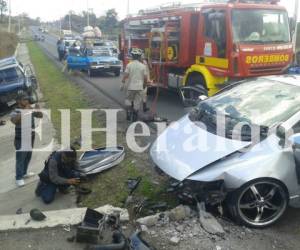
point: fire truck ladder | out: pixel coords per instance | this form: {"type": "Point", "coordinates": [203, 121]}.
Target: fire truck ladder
{"type": "Point", "coordinates": [158, 70]}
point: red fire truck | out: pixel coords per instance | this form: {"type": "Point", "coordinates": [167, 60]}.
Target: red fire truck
{"type": "Point", "coordinates": [201, 47]}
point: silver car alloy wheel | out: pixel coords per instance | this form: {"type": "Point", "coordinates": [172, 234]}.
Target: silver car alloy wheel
{"type": "Point", "coordinates": [262, 203]}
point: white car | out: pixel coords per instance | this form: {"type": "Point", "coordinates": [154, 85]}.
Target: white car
{"type": "Point", "coordinates": [239, 146]}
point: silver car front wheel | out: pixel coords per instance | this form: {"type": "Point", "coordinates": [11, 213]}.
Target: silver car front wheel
{"type": "Point", "coordinates": [259, 203]}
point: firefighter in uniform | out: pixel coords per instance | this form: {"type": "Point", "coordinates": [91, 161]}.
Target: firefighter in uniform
{"type": "Point", "coordinates": [136, 77]}
{"type": "Point", "coordinates": [145, 91]}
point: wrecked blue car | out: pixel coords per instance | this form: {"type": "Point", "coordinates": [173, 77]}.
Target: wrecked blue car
{"type": "Point", "coordinates": [15, 78]}
{"type": "Point", "coordinates": [93, 60]}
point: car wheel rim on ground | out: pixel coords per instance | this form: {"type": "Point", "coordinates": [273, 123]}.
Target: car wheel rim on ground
{"type": "Point", "coordinates": [262, 203]}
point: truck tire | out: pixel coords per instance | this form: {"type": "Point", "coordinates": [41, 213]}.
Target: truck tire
{"type": "Point", "coordinates": [198, 81]}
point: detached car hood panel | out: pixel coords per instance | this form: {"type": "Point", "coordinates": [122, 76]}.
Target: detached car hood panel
{"type": "Point", "coordinates": [185, 148]}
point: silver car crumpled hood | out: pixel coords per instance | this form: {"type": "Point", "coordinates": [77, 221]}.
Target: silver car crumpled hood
{"type": "Point", "coordinates": [184, 148]}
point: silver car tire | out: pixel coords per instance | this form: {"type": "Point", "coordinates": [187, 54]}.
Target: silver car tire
{"type": "Point", "coordinates": [259, 203]}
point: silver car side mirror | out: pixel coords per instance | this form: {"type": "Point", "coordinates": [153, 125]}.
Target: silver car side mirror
{"type": "Point", "coordinates": [295, 140]}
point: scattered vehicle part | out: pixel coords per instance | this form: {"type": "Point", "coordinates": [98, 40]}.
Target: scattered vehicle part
{"type": "Point", "coordinates": [98, 160]}
{"type": "Point", "coordinates": [27, 222]}
{"type": "Point", "coordinates": [119, 242]}
{"type": "Point", "coordinates": [15, 77]}
{"type": "Point", "coordinates": [150, 117]}
{"type": "Point", "coordinates": [37, 215]}
{"type": "Point", "coordinates": [137, 243]}
{"type": "Point", "coordinates": [90, 229]}
{"type": "Point", "coordinates": [67, 228]}
{"type": "Point", "coordinates": [71, 239]}
{"type": "Point", "coordinates": [133, 184]}
{"type": "Point", "coordinates": [209, 222]}
{"type": "Point", "coordinates": [83, 190]}
{"type": "Point", "coordinates": [160, 206]}
{"type": "Point", "coordinates": [246, 171]}
{"type": "Point", "coordinates": [19, 211]}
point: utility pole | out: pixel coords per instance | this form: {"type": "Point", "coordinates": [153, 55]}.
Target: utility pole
{"type": "Point", "coordinates": [128, 7]}
{"type": "Point", "coordinates": [19, 23]}
{"type": "Point", "coordinates": [88, 13]}
{"type": "Point", "coordinates": [9, 16]}
{"type": "Point", "coordinates": [60, 26]}
{"type": "Point", "coordinates": [296, 28]}
{"type": "Point", "coordinates": [70, 21]}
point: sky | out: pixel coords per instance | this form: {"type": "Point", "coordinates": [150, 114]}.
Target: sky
{"type": "Point", "coordinates": [49, 10]}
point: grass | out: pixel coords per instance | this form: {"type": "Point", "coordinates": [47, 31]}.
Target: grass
{"type": "Point", "coordinates": [109, 187]}
{"type": "Point", "coordinates": [8, 44]}
{"type": "Point", "coordinates": [58, 91]}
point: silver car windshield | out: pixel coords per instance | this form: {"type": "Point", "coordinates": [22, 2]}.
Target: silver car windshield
{"type": "Point", "coordinates": [261, 102]}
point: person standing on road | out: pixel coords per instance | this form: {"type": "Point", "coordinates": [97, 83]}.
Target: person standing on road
{"type": "Point", "coordinates": [23, 158]}
{"type": "Point", "coordinates": [61, 49]}
{"type": "Point", "coordinates": [136, 74]}
{"type": "Point", "coordinates": [58, 173]}
{"type": "Point", "coordinates": [149, 81]}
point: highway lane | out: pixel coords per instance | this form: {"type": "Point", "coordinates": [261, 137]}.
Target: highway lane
{"type": "Point", "coordinates": [168, 104]}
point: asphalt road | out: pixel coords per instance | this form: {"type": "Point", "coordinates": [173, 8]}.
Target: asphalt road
{"type": "Point", "coordinates": [168, 105]}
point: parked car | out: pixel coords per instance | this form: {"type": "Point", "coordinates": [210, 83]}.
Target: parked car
{"type": "Point", "coordinates": [108, 44]}
{"type": "Point", "coordinates": [94, 60]}
{"type": "Point", "coordinates": [255, 172]}
{"type": "Point", "coordinates": [14, 77]}
{"type": "Point", "coordinates": [39, 38]}
{"type": "Point", "coordinates": [68, 42]}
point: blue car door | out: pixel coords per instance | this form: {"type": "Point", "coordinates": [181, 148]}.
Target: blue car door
{"type": "Point", "coordinates": [76, 60]}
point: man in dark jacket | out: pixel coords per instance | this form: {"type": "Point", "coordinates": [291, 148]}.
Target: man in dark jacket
{"type": "Point", "coordinates": [23, 157]}
{"type": "Point", "coordinates": [58, 173]}
{"type": "Point", "coordinates": [61, 49]}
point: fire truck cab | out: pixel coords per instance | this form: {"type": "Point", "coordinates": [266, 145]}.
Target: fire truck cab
{"type": "Point", "coordinates": [199, 48]}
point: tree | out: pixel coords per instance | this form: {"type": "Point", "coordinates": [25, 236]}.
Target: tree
{"type": "Point", "coordinates": [109, 22]}
{"type": "Point", "coordinates": [111, 19]}
{"type": "Point", "coordinates": [3, 8]}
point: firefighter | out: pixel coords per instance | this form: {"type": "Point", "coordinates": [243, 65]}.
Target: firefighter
{"type": "Point", "coordinates": [136, 77]}
{"type": "Point", "coordinates": [145, 91]}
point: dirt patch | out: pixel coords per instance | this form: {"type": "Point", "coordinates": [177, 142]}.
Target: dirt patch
{"type": "Point", "coordinates": [8, 44]}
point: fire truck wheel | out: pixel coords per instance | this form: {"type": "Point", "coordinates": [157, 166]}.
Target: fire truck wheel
{"type": "Point", "coordinates": [197, 80]}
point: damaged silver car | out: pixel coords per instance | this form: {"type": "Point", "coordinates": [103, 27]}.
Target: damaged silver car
{"type": "Point", "coordinates": [239, 147]}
